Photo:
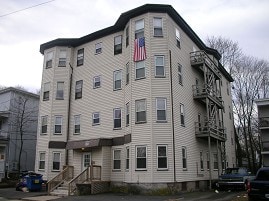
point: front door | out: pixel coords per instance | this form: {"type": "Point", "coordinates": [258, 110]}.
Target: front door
{"type": "Point", "coordinates": [86, 160]}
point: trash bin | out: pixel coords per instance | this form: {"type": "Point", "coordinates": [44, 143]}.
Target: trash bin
{"type": "Point", "coordinates": [33, 181]}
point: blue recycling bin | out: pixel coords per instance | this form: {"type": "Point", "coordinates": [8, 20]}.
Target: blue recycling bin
{"type": "Point", "coordinates": [33, 182]}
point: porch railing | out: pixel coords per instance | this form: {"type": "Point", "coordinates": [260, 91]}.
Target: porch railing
{"type": "Point", "coordinates": [65, 175]}
{"type": "Point", "coordinates": [92, 172]}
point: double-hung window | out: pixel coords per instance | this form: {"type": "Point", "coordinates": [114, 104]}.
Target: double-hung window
{"type": "Point", "coordinates": [58, 125]}
{"type": "Point", "coordinates": [139, 29]}
{"type": "Point", "coordinates": [207, 161]}
{"type": "Point", "coordinates": [95, 118]}
{"type": "Point", "coordinates": [140, 70]}
{"type": "Point", "coordinates": [118, 45]}
{"type": "Point", "coordinates": [162, 156]}
{"type": "Point", "coordinates": [56, 161]}
{"type": "Point", "coordinates": [179, 67]}
{"type": "Point", "coordinates": [117, 79]}
{"type": "Point", "coordinates": [42, 161]}
{"type": "Point", "coordinates": [77, 124]}
{"type": "Point", "coordinates": [201, 160]}
{"type": "Point", "coordinates": [80, 57]}
{"type": "Point", "coordinates": [215, 161]}
{"type": "Point", "coordinates": [46, 91]}
{"type": "Point", "coordinates": [182, 115]}
{"type": "Point", "coordinates": [117, 118]}
{"type": "Point", "coordinates": [44, 124]}
{"type": "Point", "coordinates": [49, 57]}
{"type": "Point", "coordinates": [177, 37]}
{"type": "Point", "coordinates": [127, 73]}
{"type": "Point", "coordinates": [96, 82]}
{"type": "Point", "coordinates": [78, 89]}
{"type": "Point", "coordinates": [127, 158]}
{"type": "Point", "coordinates": [127, 36]}
{"type": "Point", "coordinates": [141, 157]}
{"type": "Point", "coordinates": [159, 66]}
{"type": "Point", "coordinates": [157, 26]}
{"type": "Point", "coordinates": [60, 91]}
{"type": "Point", "coordinates": [116, 159]}
{"type": "Point", "coordinates": [161, 109]}
{"type": "Point", "coordinates": [140, 110]}
{"type": "Point", "coordinates": [98, 48]}
{"type": "Point", "coordinates": [127, 114]}
{"type": "Point", "coordinates": [62, 58]}
{"type": "Point", "coordinates": [184, 158]}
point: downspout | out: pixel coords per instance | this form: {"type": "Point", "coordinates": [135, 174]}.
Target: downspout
{"type": "Point", "coordinates": [68, 114]}
{"type": "Point", "coordinates": [172, 114]}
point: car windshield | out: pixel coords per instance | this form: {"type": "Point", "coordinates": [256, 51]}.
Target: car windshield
{"type": "Point", "coordinates": [263, 175]}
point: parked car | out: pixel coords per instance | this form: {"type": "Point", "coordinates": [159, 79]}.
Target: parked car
{"type": "Point", "coordinates": [258, 189]}
{"type": "Point", "coordinates": [234, 178]}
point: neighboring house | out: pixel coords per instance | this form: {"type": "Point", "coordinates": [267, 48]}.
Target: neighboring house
{"type": "Point", "coordinates": [18, 117]}
{"type": "Point", "coordinates": [145, 99]}
{"type": "Point", "coordinates": [263, 114]}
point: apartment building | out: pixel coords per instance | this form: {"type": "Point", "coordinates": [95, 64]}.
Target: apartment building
{"type": "Point", "coordinates": [145, 100]}
{"type": "Point", "coordinates": [18, 130]}
{"type": "Point", "coordinates": [263, 114]}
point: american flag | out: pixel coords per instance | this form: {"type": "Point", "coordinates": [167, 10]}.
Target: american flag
{"type": "Point", "coordinates": [139, 49]}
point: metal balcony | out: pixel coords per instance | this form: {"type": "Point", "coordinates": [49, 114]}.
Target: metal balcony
{"type": "Point", "coordinates": [200, 59]}
{"type": "Point", "coordinates": [204, 91]}
{"type": "Point", "coordinates": [205, 130]}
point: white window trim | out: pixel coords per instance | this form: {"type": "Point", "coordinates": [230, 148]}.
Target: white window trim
{"type": "Point", "coordinates": [162, 145]}
{"type": "Point", "coordinates": [127, 74]}
{"type": "Point", "coordinates": [94, 81]}
{"type": "Point", "coordinates": [77, 116]}
{"type": "Point", "coordinates": [42, 117]}
{"type": "Point", "coordinates": [58, 124]}
{"type": "Point", "coordinates": [127, 106]}
{"type": "Point", "coordinates": [136, 111]}
{"type": "Point", "coordinates": [182, 107]}
{"type": "Point", "coordinates": [93, 118]}
{"type": "Point", "coordinates": [160, 27]}
{"type": "Point", "coordinates": [180, 75]}
{"type": "Point", "coordinates": [114, 80]}
{"type": "Point", "coordinates": [116, 159]}
{"type": "Point", "coordinates": [202, 160]}
{"type": "Point", "coordinates": [155, 58]}
{"type": "Point", "coordinates": [140, 169]}
{"type": "Point", "coordinates": [57, 97]}
{"type": "Point", "coordinates": [184, 157]}
{"type": "Point", "coordinates": [127, 158]}
{"type": "Point", "coordinates": [80, 56]}
{"type": "Point", "coordinates": [114, 110]}
{"type": "Point", "coordinates": [143, 67]}
{"type": "Point", "coordinates": [98, 48]}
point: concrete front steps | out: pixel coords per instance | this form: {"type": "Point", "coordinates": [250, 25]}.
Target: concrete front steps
{"type": "Point", "coordinates": [61, 190]}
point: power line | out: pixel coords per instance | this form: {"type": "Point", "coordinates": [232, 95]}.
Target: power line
{"type": "Point", "coordinates": [26, 8]}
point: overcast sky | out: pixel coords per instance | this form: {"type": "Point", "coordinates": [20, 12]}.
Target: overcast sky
{"type": "Point", "coordinates": [21, 33]}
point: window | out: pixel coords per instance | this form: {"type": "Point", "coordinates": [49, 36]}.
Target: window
{"type": "Point", "coordinates": [62, 58]}
{"type": "Point", "coordinates": [77, 124]}
{"type": "Point", "coordinates": [228, 87]}
{"type": "Point", "coordinates": [162, 156]}
{"type": "Point", "coordinates": [127, 73]}
{"type": "Point", "coordinates": [207, 161]}
{"type": "Point", "coordinates": [117, 80]}
{"type": "Point", "coordinates": [161, 109]}
{"type": "Point", "coordinates": [60, 91]}
{"type": "Point", "coordinates": [140, 70]}
{"type": "Point", "coordinates": [42, 156]}
{"type": "Point", "coordinates": [44, 124]}
{"type": "Point", "coordinates": [157, 24]}
{"type": "Point", "coordinates": [80, 57]}
{"type": "Point", "coordinates": [98, 48]}
{"type": "Point", "coordinates": [215, 161]}
{"type": "Point", "coordinates": [116, 159]}
{"type": "Point", "coordinates": [184, 158]}
{"type": "Point", "coordinates": [78, 89]}
{"type": "Point", "coordinates": [46, 91]}
{"type": "Point", "coordinates": [182, 115]}
{"type": "Point", "coordinates": [127, 158]}
{"type": "Point", "coordinates": [117, 45]}
{"type": "Point", "coordinates": [96, 82]}
{"type": "Point", "coordinates": [139, 29]}
{"type": "Point", "coordinates": [140, 110]}
{"type": "Point", "coordinates": [86, 160]}
{"type": "Point", "coordinates": [95, 118]}
{"type": "Point", "coordinates": [127, 36]}
{"type": "Point", "coordinates": [230, 113]}
{"type": "Point", "coordinates": [58, 125]}
{"type": "Point", "coordinates": [56, 161]}
{"type": "Point", "coordinates": [178, 37]}
{"type": "Point", "coordinates": [180, 74]}
{"type": "Point", "coordinates": [49, 57]}
{"type": "Point", "coordinates": [127, 114]}
{"type": "Point", "coordinates": [117, 118]}
{"type": "Point", "coordinates": [159, 66]}
{"type": "Point", "coordinates": [201, 160]}
{"type": "Point", "coordinates": [141, 158]}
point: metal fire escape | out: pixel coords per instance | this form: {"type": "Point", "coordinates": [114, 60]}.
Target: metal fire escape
{"type": "Point", "coordinates": [208, 92]}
